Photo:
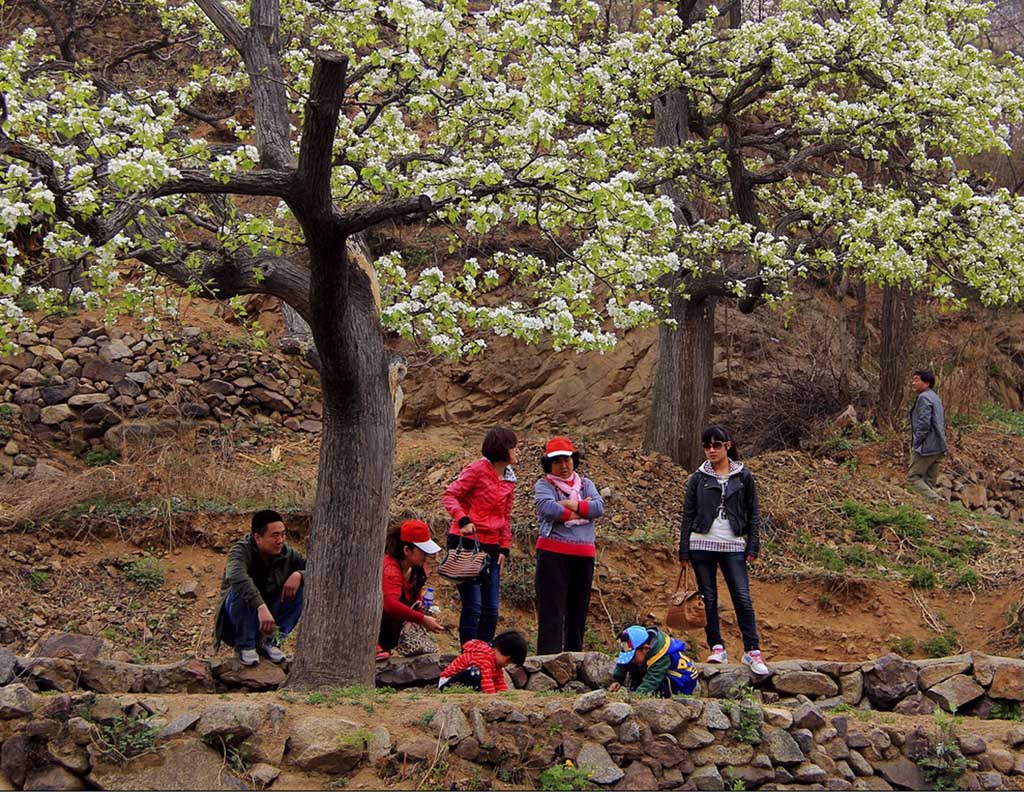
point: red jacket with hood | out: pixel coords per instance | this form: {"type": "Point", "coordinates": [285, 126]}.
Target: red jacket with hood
{"type": "Point", "coordinates": [480, 497]}
{"type": "Point", "coordinates": [479, 654]}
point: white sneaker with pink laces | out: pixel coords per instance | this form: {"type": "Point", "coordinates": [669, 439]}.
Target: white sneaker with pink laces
{"type": "Point", "coordinates": [756, 662]}
{"type": "Point", "coordinates": [718, 654]}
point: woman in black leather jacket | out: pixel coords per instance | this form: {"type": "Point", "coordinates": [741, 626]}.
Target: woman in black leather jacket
{"type": "Point", "coordinates": [721, 524]}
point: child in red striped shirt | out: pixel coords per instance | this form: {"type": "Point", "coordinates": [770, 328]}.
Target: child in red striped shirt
{"type": "Point", "coordinates": [481, 666]}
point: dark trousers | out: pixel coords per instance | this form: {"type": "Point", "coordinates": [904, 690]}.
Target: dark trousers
{"type": "Point", "coordinates": [242, 626]}
{"type": "Point", "coordinates": [469, 678]}
{"type": "Point", "coordinates": [563, 599]}
{"type": "Point", "coordinates": [479, 618]}
{"type": "Point", "coordinates": [734, 570]}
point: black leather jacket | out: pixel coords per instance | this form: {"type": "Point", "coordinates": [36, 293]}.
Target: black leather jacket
{"type": "Point", "coordinates": [703, 495]}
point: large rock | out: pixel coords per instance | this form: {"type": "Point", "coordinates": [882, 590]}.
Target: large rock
{"type": "Point", "coordinates": [707, 778]}
{"type": "Point", "coordinates": [901, 773]}
{"type": "Point", "coordinates": [182, 764]}
{"type": "Point", "coordinates": [231, 722]}
{"type": "Point", "coordinates": [55, 394]}
{"type": "Point", "coordinates": [595, 760]}
{"type": "Point", "coordinates": [638, 776]}
{"type": "Point", "coordinates": [450, 723]}
{"type": "Point", "coordinates": [781, 747]}
{"type": "Point", "coordinates": [402, 672]}
{"type": "Point", "coordinates": [50, 673]}
{"type": "Point", "coordinates": [16, 701]}
{"type": "Point", "coordinates": [726, 682]}
{"type": "Point", "coordinates": [589, 702]}
{"type": "Point", "coordinates": [851, 687]}
{"type": "Point", "coordinates": [53, 777]}
{"type": "Point", "coordinates": [327, 745]}
{"type": "Point", "coordinates": [133, 433]}
{"type": "Point", "coordinates": [712, 717]}
{"type": "Point", "coordinates": [262, 676]}
{"type": "Point", "coordinates": [953, 693]}
{"type": "Point", "coordinates": [917, 704]}
{"type": "Point", "coordinates": [808, 716]}
{"type": "Point", "coordinates": [187, 676]}
{"type": "Point", "coordinates": [1008, 680]}
{"type": "Point", "coordinates": [663, 715]}
{"type": "Point", "coordinates": [8, 666]}
{"type": "Point", "coordinates": [98, 369]}
{"type": "Point", "coordinates": [561, 668]}
{"type": "Point", "coordinates": [183, 722]}
{"type": "Point", "coordinates": [724, 754]}
{"type": "Point", "coordinates": [56, 414]}
{"type": "Point", "coordinates": [888, 680]}
{"type": "Point", "coordinates": [596, 669]}
{"type": "Point", "coordinates": [940, 669]}
{"type": "Point", "coordinates": [809, 683]}
{"type": "Point", "coordinates": [541, 682]}
{"type": "Point", "coordinates": [110, 676]}
{"type": "Point", "coordinates": [17, 758]}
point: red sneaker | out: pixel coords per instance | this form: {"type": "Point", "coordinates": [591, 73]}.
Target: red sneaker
{"type": "Point", "coordinates": [381, 654]}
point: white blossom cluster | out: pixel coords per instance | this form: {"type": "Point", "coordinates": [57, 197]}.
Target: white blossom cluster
{"type": "Point", "coordinates": [523, 114]}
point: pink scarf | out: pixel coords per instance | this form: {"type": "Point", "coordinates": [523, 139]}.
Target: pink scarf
{"type": "Point", "coordinates": [571, 489]}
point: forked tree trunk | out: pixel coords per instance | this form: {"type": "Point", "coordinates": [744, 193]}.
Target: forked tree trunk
{"type": "Point", "coordinates": [343, 596]}
{"type": "Point", "coordinates": [896, 331]}
{"type": "Point", "coordinates": [681, 400]}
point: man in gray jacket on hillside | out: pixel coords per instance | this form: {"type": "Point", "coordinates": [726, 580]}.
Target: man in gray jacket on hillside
{"type": "Point", "coordinates": [927, 435]}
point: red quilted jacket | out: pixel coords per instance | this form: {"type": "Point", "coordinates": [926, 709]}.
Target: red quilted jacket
{"type": "Point", "coordinates": [479, 654]}
{"type": "Point", "coordinates": [485, 499]}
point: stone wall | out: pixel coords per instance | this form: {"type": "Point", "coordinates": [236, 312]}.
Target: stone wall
{"type": "Point", "coordinates": [973, 684]}
{"type": "Point", "coordinates": [88, 387]}
{"type": "Point", "coordinates": [64, 741]}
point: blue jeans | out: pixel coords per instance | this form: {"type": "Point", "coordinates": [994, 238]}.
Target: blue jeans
{"type": "Point", "coordinates": [479, 617]}
{"type": "Point", "coordinates": [734, 570]}
{"type": "Point", "coordinates": [242, 626]}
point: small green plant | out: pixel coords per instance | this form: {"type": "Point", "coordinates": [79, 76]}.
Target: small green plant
{"type": "Point", "coordinates": [99, 457]}
{"type": "Point", "coordinates": [968, 579]}
{"type": "Point", "coordinates": [960, 420]}
{"type": "Point", "coordinates": [868, 523]}
{"type": "Point", "coordinates": [1011, 421]}
{"type": "Point", "coordinates": [904, 646]}
{"type": "Point", "coordinates": [359, 738]}
{"type": "Point", "coordinates": [564, 777]}
{"type": "Point", "coordinates": [238, 758]}
{"type": "Point", "coordinates": [843, 709]}
{"type": "Point", "coordinates": [6, 411]}
{"type": "Point", "coordinates": [147, 572]}
{"type": "Point", "coordinates": [744, 700]}
{"type": "Point", "coordinates": [944, 765]}
{"type": "Point", "coordinates": [38, 579]}
{"type": "Point", "coordinates": [837, 445]}
{"type": "Point", "coordinates": [922, 578]}
{"type": "Point", "coordinates": [1003, 709]}
{"type": "Point", "coordinates": [125, 738]}
{"type": "Point", "coordinates": [942, 645]}
{"type": "Point", "coordinates": [455, 687]}
{"type": "Point", "coordinates": [554, 729]}
{"type": "Point", "coordinates": [663, 534]}
{"type": "Point", "coordinates": [511, 775]}
{"type": "Point", "coordinates": [737, 785]}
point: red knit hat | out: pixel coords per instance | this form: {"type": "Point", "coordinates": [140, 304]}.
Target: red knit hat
{"type": "Point", "coordinates": [417, 532]}
{"type": "Point", "coordinates": [559, 446]}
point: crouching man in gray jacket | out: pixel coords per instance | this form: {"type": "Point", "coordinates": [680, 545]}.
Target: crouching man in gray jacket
{"type": "Point", "coordinates": [927, 435]}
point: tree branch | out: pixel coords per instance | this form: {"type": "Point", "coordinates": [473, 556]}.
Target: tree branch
{"type": "Point", "coordinates": [320, 125]}
{"type": "Point", "coordinates": [222, 19]}
{"type": "Point", "coordinates": [260, 182]}
{"type": "Point", "coordinates": [359, 218]}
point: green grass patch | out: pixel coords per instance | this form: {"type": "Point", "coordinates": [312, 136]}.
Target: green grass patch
{"type": "Point", "coordinates": [944, 645]}
{"type": "Point", "coordinates": [147, 572]}
{"type": "Point", "coordinates": [565, 777]}
{"type": "Point", "coordinates": [922, 577]}
{"type": "Point", "coordinates": [1010, 421]}
{"type": "Point", "coordinates": [99, 457]}
{"type": "Point", "coordinates": [866, 521]}
{"type": "Point", "coordinates": [904, 646]}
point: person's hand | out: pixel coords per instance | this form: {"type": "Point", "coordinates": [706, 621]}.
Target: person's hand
{"type": "Point", "coordinates": [614, 686]}
{"type": "Point", "coordinates": [267, 622]}
{"type": "Point", "coordinates": [751, 560]}
{"type": "Point", "coordinates": [467, 529]}
{"type": "Point", "coordinates": [432, 624]}
{"type": "Point", "coordinates": [684, 564]}
{"type": "Point", "coordinates": [291, 586]}
{"type": "Point", "coordinates": [571, 505]}
{"type": "Point", "coordinates": [502, 560]}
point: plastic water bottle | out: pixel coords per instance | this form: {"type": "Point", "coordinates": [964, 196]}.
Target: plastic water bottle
{"type": "Point", "coordinates": [427, 600]}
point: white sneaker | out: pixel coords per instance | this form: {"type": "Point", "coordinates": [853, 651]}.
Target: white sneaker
{"type": "Point", "coordinates": [718, 654]}
{"type": "Point", "coordinates": [248, 657]}
{"type": "Point", "coordinates": [756, 662]}
{"type": "Point", "coordinates": [274, 655]}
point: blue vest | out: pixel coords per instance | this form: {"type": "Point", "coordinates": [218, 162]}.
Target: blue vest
{"type": "Point", "coordinates": [682, 673]}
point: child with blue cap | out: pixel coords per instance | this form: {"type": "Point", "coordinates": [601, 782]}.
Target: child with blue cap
{"type": "Point", "coordinates": [654, 663]}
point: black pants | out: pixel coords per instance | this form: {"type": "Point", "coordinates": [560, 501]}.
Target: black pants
{"type": "Point", "coordinates": [469, 678]}
{"type": "Point", "coordinates": [563, 599]}
{"type": "Point", "coordinates": [734, 570]}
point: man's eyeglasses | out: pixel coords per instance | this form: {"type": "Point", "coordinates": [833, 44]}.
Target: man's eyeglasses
{"type": "Point", "coordinates": [715, 444]}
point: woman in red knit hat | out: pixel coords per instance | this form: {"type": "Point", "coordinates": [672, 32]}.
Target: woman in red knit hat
{"type": "Point", "coordinates": [567, 505]}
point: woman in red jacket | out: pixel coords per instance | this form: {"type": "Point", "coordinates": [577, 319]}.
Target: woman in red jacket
{"type": "Point", "coordinates": [480, 503]}
{"type": "Point", "coordinates": [405, 552]}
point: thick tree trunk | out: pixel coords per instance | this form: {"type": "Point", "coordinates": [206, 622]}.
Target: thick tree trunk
{"type": "Point", "coordinates": [846, 340]}
{"type": "Point", "coordinates": [897, 329]}
{"type": "Point", "coordinates": [682, 384]}
{"type": "Point", "coordinates": [346, 543]}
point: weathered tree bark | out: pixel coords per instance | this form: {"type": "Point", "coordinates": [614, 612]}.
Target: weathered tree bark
{"type": "Point", "coordinates": [897, 329]}
{"type": "Point", "coordinates": [346, 541]}
{"type": "Point", "coordinates": [681, 399]}
{"type": "Point", "coordinates": [846, 340]}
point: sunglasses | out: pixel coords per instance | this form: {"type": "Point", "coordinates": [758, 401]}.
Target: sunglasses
{"type": "Point", "coordinates": [715, 444]}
